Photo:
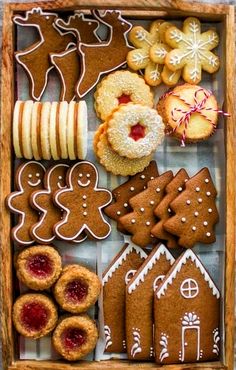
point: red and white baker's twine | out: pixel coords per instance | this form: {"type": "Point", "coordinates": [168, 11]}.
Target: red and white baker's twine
{"type": "Point", "coordinates": [196, 108]}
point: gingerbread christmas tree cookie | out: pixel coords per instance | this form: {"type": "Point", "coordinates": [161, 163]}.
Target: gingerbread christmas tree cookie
{"type": "Point", "coordinates": [192, 50]}
{"type": "Point", "coordinates": [195, 212]}
{"type": "Point", "coordinates": [188, 331]}
{"type": "Point", "coordinates": [124, 192]}
{"type": "Point", "coordinates": [115, 278]}
{"type": "Point", "coordinates": [139, 303]}
{"type": "Point", "coordinates": [163, 211]}
{"type": "Point", "coordinates": [141, 220]}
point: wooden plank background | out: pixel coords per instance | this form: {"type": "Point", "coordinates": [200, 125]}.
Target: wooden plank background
{"type": "Point", "coordinates": [225, 2]}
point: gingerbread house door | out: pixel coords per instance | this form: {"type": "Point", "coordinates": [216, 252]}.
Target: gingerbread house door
{"type": "Point", "coordinates": [190, 337]}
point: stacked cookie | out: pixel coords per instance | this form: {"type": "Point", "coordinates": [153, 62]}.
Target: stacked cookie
{"type": "Point", "coordinates": [166, 53]}
{"type": "Point", "coordinates": [76, 289]}
{"type": "Point", "coordinates": [136, 318]}
{"type": "Point", "coordinates": [176, 209]}
{"type": "Point", "coordinates": [56, 130]}
{"type": "Point", "coordinates": [63, 202]}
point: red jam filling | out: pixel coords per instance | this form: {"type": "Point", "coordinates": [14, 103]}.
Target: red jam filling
{"type": "Point", "coordinates": [124, 99]}
{"type": "Point", "coordinates": [40, 265]}
{"type": "Point", "coordinates": [73, 338]}
{"type": "Point", "coordinates": [137, 132]}
{"type": "Point", "coordinates": [34, 316]}
{"type": "Point", "coordinates": [76, 291]}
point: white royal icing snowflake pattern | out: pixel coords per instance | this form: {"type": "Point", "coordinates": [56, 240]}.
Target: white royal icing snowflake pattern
{"type": "Point", "coordinates": [194, 47]}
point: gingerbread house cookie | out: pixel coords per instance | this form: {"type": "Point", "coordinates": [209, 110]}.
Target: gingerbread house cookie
{"type": "Point", "coordinates": [115, 277]}
{"type": "Point", "coordinates": [139, 303]}
{"type": "Point", "coordinates": [186, 313]}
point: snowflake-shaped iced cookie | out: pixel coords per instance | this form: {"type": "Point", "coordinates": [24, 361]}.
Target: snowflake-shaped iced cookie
{"type": "Point", "coordinates": [150, 53]}
{"type": "Point", "coordinates": [191, 50]}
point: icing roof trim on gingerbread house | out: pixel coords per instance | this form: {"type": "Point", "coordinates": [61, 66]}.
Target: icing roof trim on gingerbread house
{"type": "Point", "coordinates": [189, 254]}
{"type": "Point", "coordinates": [119, 261]}
{"type": "Point", "coordinates": [162, 250]}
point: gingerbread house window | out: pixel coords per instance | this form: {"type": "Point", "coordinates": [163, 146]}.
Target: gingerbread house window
{"type": "Point", "coordinates": [189, 288]}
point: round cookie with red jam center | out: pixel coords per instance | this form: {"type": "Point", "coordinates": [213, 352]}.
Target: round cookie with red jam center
{"type": "Point", "coordinates": [75, 337]}
{"type": "Point", "coordinates": [77, 289]}
{"type": "Point", "coordinates": [34, 315]}
{"type": "Point", "coordinates": [135, 130]}
{"type": "Point", "coordinates": [38, 267]}
{"type": "Point", "coordinates": [121, 87]}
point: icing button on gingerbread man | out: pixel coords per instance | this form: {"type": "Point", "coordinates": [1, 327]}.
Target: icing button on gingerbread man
{"type": "Point", "coordinates": [82, 202]}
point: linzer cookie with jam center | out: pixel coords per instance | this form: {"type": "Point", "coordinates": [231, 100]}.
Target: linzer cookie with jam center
{"type": "Point", "coordinates": [121, 87]}
{"type": "Point", "coordinates": [77, 289]}
{"type": "Point", "coordinates": [189, 113]}
{"type": "Point", "coordinates": [134, 130]}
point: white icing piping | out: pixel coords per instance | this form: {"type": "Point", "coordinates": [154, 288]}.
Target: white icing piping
{"type": "Point", "coordinates": [188, 255]}
{"type": "Point", "coordinates": [100, 17]}
{"type": "Point", "coordinates": [130, 248]}
{"type": "Point", "coordinates": [162, 250]}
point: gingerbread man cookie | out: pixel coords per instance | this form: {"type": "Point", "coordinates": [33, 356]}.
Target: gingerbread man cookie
{"type": "Point", "coordinates": [82, 202]}
{"type": "Point", "coordinates": [42, 201]}
{"type": "Point", "coordinates": [29, 177]}
{"type": "Point", "coordinates": [35, 59]}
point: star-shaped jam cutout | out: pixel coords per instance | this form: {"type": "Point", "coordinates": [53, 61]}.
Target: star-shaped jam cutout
{"type": "Point", "coordinates": [137, 132]}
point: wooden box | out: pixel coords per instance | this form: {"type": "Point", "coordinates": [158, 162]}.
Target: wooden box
{"type": "Point", "coordinates": [140, 9]}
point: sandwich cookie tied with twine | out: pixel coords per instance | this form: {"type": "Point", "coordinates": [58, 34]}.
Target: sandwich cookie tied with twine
{"type": "Point", "coordinates": [189, 112]}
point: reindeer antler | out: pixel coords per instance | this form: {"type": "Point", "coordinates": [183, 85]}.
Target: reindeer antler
{"type": "Point", "coordinates": [108, 16]}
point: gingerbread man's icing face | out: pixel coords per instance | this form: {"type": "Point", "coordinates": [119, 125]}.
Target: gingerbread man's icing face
{"type": "Point", "coordinates": [84, 176]}
{"type": "Point", "coordinates": [31, 176]}
{"type": "Point", "coordinates": [57, 177]}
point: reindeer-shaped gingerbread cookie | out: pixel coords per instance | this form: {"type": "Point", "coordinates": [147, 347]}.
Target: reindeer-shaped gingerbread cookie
{"type": "Point", "coordinates": [104, 57]}
{"type": "Point", "coordinates": [82, 202]}
{"type": "Point", "coordinates": [29, 177]}
{"type": "Point", "coordinates": [35, 59]}
{"type": "Point", "coordinates": [67, 63]}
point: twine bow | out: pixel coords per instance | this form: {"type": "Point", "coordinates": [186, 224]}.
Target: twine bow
{"type": "Point", "coordinates": [197, 107]}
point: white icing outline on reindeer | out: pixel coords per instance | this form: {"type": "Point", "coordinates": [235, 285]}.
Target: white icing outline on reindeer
{"type": "Point", "coordinates": [19, 54]}
{"type": "Point", "coordinates": [99, 17]}
{"type": "Point", "coordinates": [71, 188]}
{"type": "Point", "coordinates": [16, 193]}
{"type": "Point", "coordinates": [77, 34]}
